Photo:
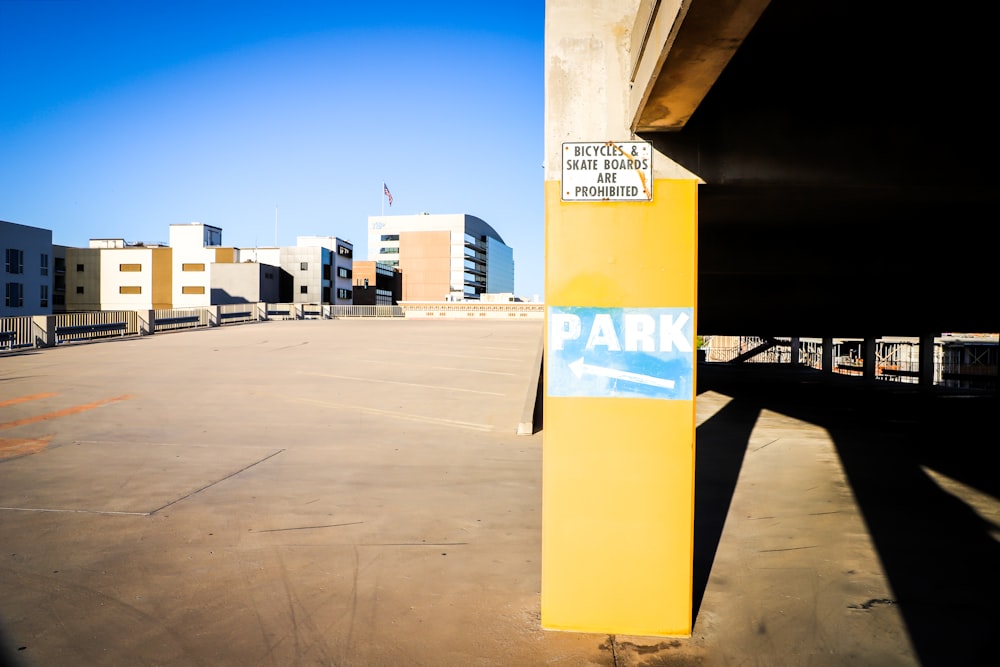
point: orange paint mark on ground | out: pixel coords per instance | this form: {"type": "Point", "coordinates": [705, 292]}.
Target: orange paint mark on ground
{"type": "Point", "coordinates": [24, 399]}
{"type": "Point", "coordinates": [64, 412]}
{"type": "Point", "coordinates": [12, 448]}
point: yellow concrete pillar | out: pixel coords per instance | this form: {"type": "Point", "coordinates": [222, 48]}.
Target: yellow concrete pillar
{"type": "Point", "coordinates": [619, 455]}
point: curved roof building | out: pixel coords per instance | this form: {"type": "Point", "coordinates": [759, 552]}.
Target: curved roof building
{"type": "Point", "coordinates": [442, 257]}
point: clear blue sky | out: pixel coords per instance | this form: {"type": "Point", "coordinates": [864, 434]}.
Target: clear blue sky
{"type": "Point", "coordinates": [119, 119]}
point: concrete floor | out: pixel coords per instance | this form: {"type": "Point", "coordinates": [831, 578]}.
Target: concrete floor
{"type": "Point", "coordinates": [354, 492]}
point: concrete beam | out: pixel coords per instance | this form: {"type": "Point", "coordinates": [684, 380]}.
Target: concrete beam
{"type": "Point", "coordinates": [679, 48]}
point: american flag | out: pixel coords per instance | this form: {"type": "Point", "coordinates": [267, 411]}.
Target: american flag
{"type": "Point", "coordinates": [385, 189]}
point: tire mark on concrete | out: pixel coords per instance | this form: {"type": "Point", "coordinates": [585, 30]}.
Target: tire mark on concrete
{"type": "Point", "coordinates": [58, 598]}
{"type": "Point", "coordinates": [308, 644]}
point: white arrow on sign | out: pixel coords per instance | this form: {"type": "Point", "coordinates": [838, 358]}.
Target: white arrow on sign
{"type": "Point", "coordinates": [579, 368]}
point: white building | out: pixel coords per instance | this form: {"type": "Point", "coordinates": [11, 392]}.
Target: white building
{"type": "Point", "coordinates": [126, 277]}
{"type": "Point", "coordinates": [196, 248]}
{"type": "Point", "coordinates": [442, 257]}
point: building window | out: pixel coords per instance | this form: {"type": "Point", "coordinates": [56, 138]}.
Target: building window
{"type": "Point", "coordinates": [344, 251]}
{"type": "Point", "coordinates": [60, 265]}
{"type": "Point", "coordinates": [79, 268]}
{"type": "Point", "coordinates": [390, 237]}
{"type": "Point", "coordinates": [193, 289]}
{"type": "Point", "coordinates": [343, 272]}
{"type": "Point", "coordinates": [343, 294]}
{"type": "Point", "coordinates": [44, 298]}
{"type": "Point", "coordinates": [131, 268]}
{"type": "Point", "coordinates": [268, 275]}
{"type": "Point", "coordinates": [14, 295]}
{"type": "Point", "coordinates": [304, 289]}
{"type": "Point", "coordinates": [79, 289]}
{"type": "Point", "coordinates": [130, 289]}
{"type": "Point", "coordinates": [303, 266]}
{"type": "Point", "coordinates": [388, 251]}
{"type": "Point", "coordinates": [192, 267]}
{"type": "Point", "coordinates": [45, 264]}
{"type": "Point", "coordinates": [15, 261]}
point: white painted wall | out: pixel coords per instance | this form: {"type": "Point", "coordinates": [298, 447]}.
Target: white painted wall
{"type": "Point", "coordinates": [113, 279]}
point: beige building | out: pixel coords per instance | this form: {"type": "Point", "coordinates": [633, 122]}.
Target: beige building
{"type": "Point", "coordinates": [111, 275]}
{"type": "Point", "coordinates": [114, 275]}
{"type": "Point", "coordinates": [425, 262]}
{"type": "Point", "coordinates": [194, 270]}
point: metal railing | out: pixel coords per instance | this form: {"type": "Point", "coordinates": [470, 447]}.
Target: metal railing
{"type": "Point", "coordinates": [15, 332]}
{"type": "Point", "coordinates": [339, 312]}
{"type": "Point", "coordinates": [72, 326]}
{"type": "Point", "coordinates": [45, 330]}
{"type": "Point", "coordinates": [963, 363]}
{"type": "Point", "coordinates": [281, 311]}
{"type": "Point", "coordinates": [957, 364]}
{"type": "Point", "coordinates": [235, 313]}
{"type": "Point", "coordinates": [171, 319]}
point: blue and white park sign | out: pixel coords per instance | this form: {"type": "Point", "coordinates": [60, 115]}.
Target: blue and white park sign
{"type": "Point", "coordinates": [621, 352]}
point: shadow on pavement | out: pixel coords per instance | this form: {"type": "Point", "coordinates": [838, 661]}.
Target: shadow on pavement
{"type": "Point", "coordinates": [722, 442]}
{"type": "Point", "coordinates": [8, 651]}
{"type": "Point", "coordinates": [907, 454]}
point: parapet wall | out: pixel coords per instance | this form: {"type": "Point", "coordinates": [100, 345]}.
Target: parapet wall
{"type": "Point", "coordinates": [471, 310]}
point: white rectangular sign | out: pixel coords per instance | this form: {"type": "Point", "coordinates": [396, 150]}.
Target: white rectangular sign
{"type": "Point", "coordinates": [607, 171]}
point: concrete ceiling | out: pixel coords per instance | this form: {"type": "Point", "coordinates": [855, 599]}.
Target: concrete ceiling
{"type": "Point", "coordinates": [846, 153]}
